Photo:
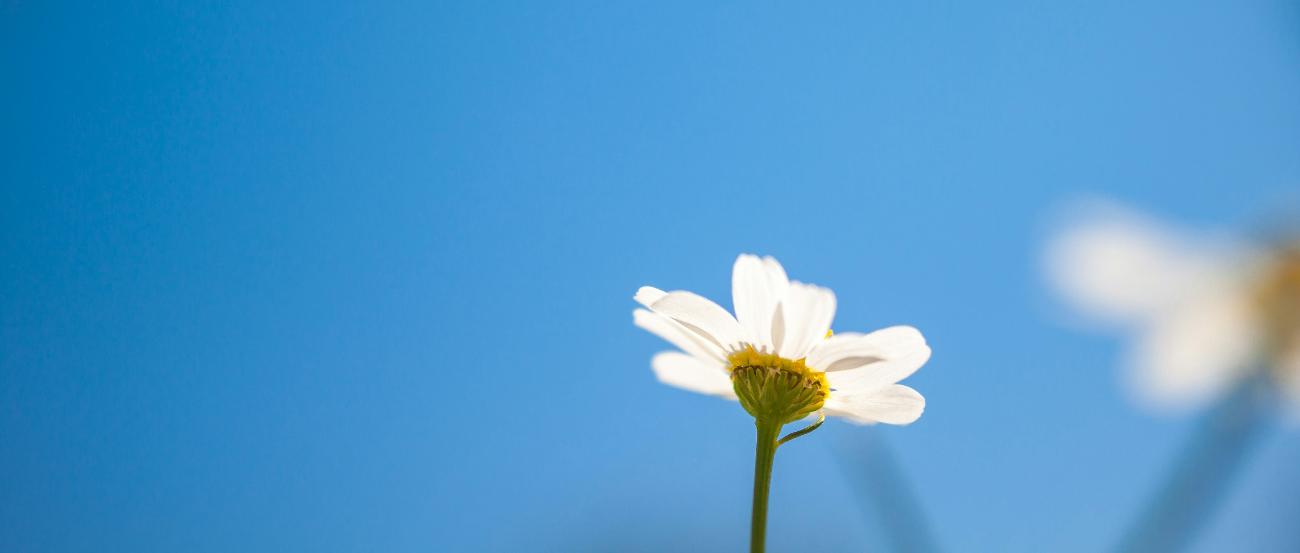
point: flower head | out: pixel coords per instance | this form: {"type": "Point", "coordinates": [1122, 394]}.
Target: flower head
{"type": "Point", "coordinates": [777, 355]}
{"type": "Point", "coordinates": [1206, 310]}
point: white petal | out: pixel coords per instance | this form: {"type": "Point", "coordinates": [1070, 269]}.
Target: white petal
{"type": "Point", "coordinates": [678, 335]}
{"type": "Point", "coordinates": [896, 404]}
{"type": "Point", "coordinates": [849, 350]}
{"type": "Point", "coordinates": [757, 286]}
{"type": "Point", "coordinates": [806, 314]}
{"type": "Point", "coordinates": [701, 316]}
{"type": "Point", "coordinates": [875, 375]}
{"type": "Point", "coordinates": [776, 278]}
{"type": "Point", "coordinates": [1196, 351]}
{"type": "Point", "coordinates": [1122, 266]}
{"type": "Point", "coordinates": [690, 373]}
{"type": "Point", "coordinates": [647, 295]}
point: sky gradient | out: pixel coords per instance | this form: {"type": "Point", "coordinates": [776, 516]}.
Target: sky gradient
{"type": "Point", "coordinates": [321, 277]}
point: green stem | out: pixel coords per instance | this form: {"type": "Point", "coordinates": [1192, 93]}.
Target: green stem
{"type": "Point", "coordinates": [821, 418]}
{"type": "Point", "coordinates": [1202, 479]}
{"type": "Point", "coordinates": [764, 454]}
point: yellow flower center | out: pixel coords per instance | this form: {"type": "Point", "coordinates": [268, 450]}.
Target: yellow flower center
{"type": "Point", "coordinates": [771, 387]}
{"type": "Point", "coordinates": [1277, 300]}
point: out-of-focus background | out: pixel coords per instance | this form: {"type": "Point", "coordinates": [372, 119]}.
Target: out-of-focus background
{"type": "Point", "coordinates": [338, 277]}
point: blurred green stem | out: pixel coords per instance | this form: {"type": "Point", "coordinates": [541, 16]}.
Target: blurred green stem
{"type": "Point", "coordinates": [764, 455]}
{"type": "Point", "coordinates": [873, 471]}
{"type": "Point", "coordinates": [1204, 474]}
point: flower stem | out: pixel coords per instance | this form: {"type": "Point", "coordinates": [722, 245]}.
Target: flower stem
{"type": "Point", "coordinates": [764, 454]}
{"type": "Point", "coordinates": [1201, 480]}
{"type": "Point", "coordinates": [870, 465]}
{"type": "Point", "coordinates": [821, 418]}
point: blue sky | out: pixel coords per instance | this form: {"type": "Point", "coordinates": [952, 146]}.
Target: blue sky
{"type": "Point", "coordinates": [323, 277]}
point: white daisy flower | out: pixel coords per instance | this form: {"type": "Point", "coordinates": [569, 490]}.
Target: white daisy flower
{"type": "Point", "coordinates": [1206, 310]}
{"type": "Point", "coordinates": [777, 355]}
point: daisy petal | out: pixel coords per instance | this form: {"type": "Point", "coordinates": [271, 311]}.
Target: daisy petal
{"type": "Point", "coordinates": [647, 295]}
{"type": "Point", "coordinates": [896, 404]}
{"type": "Point", "coordinates": [689, 373]}
{"type": "Point", "coordinates": [1197, 351]}
{"type": "Point", "coordinates": [849, 350]}
{"type": "Point", "coordinates": [879, 374]}
{"type": "Point", "coordinates": [701, 316]}
{"type": "Point", "coordinates": [805, 313]}
{"type": "Point", "coordinates": [678, 335]}
{"type": "Point", "coordinates": [1122, 266]}
{"type": "Point", "coordinates": [757, 286]}
{"type": "Point", "coordinates": [775, 273]}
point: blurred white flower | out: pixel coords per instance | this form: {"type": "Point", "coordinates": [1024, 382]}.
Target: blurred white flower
{"type": "Point", "coordinates": [778, 353]}
{"type": "Point", "coordinates": [1206, 310]}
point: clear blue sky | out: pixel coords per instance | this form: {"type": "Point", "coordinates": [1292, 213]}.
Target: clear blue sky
{"type": "Point", "coordinates": [335, 278]}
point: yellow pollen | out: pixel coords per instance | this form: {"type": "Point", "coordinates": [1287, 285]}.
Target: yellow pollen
{"type": "Point", "coordinates": [750, 357]}
{"type": "Point", "coordinates": [1277, 300]}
